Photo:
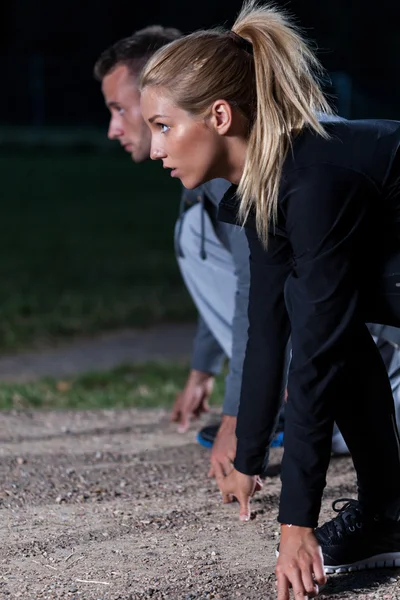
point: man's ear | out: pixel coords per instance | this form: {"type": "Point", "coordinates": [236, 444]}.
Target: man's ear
{"type": "Point", "coordinates": [221, 116]}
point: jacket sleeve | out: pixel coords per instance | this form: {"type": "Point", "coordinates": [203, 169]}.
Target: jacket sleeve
{"type": "Point", "coordinates": [264, 363]}
{"type": "Point", "coordinates": [327, 225]}
{"type": "Point", "coordinates": [240, 253]}
{"type": "Point", "coordinates": [207, 354]}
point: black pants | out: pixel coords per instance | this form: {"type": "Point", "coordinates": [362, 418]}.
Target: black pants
{"type": "Point", "coordinates": [368, 423]}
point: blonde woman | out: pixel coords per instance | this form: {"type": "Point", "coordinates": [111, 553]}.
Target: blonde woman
{"type": "Point", "coordinates": [318, 198]}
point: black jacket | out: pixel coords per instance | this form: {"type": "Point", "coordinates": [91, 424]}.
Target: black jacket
{"type": "Point", "coordinates": [319, 282]}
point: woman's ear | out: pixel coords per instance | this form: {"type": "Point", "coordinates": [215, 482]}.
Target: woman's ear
{"type": "Point", "coordinates": [221, 117]}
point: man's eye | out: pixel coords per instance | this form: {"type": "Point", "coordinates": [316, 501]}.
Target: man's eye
{"type": "Point", "coordinates": [120, 111]}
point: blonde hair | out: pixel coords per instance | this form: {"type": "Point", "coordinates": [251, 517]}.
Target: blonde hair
{"type": "Point", "coordinates": [271, 79]}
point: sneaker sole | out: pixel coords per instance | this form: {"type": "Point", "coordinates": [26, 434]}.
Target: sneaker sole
{"type": "Point", "coordinates": [379, 561]}
{"type": "Point", "coordinates": [203, 442]}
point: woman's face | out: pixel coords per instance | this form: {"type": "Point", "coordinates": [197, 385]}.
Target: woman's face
{"type": "Point", "coordinates": [188, 145]}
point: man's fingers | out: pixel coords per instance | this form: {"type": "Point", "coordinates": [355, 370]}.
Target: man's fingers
{"type": "Point", "coordinates": [197, 410]}
{"type": "Point", "coordinates": [211, 472]}
{"type": "Point", "coordinates": [184, 423]}
{"type": "Point", "coordinates": [205, 407]}
{"type": "Point", "coordinates": [197, 401]}
{"type": "Point", "coordinates": [227, 466]}
{"type": "Point", "coordinates": [221, 467]}
{"type": "Point", "coordinates": [176, 410]}
{"type": "Point", "coordinates": [218, 474]}
{"type": "Point", "coordinates": [227, 498]}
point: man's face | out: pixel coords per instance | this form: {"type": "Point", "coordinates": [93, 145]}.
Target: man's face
{"type": "Point", "coordinates": [122, 97]}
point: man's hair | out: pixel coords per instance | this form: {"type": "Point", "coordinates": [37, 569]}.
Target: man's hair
{"type": "Point", "coordinates": [134, 51]}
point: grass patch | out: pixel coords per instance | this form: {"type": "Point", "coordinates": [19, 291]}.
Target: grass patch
{"type": "Point", "coordinates": [86, 245]}
{"type": "Point", "coordinates": [150, 385]}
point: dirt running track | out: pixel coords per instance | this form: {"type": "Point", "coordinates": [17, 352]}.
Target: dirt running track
{"type": "Point", "coordinates": [115, 505]}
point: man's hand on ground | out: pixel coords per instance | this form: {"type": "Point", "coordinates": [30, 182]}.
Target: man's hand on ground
{"type": "Point", "coordinates": [224, 448]}
{"type": "Point", "coordinates": [240, 487]}
{"type": "Point", "coordinates": [193, 399]}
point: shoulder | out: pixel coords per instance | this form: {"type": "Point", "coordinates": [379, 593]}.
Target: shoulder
{"type": "Point", "coordinates": [229, 206]}
{"type": "Point", "coordinates": [367, 147]}
{"type": "Point", "coordinates": [215, 190]}
{"type": "Point", "coordinates": [323, 191]}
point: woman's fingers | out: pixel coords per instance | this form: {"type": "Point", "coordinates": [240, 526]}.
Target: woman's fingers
{"type": "Point", "coordinates": [318, 568]}
{"type": "Point", "coordinates": [282, 585]}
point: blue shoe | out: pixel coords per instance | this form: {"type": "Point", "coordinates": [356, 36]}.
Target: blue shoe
{"type": "Point", "coordinates": [277, 442]}
{"type": "Point", "coordinates": [206, 437]}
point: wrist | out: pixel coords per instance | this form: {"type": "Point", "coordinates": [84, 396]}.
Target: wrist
{"type": "Point", "coordinates": [199, 376]}
{"type": "Point", "coordinates": [295, 529]}
{"type": "Point", "coordinates": [228, 423]}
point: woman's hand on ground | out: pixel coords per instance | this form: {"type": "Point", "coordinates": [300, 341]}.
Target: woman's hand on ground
{"type": "Point", "coordinates": [239, 486]}
{"type": "Point", "coordinates": [300, 563]}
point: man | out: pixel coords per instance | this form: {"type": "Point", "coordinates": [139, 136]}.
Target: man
{"type": "Point", "coordinates": [213, 258]}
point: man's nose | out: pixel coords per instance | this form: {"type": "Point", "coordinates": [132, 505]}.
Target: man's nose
{"type": "Point", "coordinates": [115, 130]}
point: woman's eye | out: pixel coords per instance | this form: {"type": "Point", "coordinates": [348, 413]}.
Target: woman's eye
{"type": "Point", "coordinates": [163, 128]}
{"type": "Point", "coordinates": [120, 111]}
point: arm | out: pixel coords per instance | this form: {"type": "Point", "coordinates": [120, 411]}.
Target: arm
{"type": "Point", "coordinates": [264, 364]}
{"type": "Point", "coordinates": [207, 359]}
{"type": "Point", "coordinates": [264, 368]}
{"type": "Point", "coordinates": [224, 448]}
{"type": "Point", "coordinates": [240, 252]}
{"type": "Point", "coordinates": [207, 354]}
{"type": "Point", "coordinates": [326, 219]}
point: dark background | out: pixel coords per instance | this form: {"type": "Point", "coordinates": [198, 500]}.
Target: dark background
{"type": "Point", "coordinates": [48, 50]}
{"type": "Point", "coordinates": [86, 235]}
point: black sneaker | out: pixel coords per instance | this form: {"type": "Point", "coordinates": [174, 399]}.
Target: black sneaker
{"type": "Point", "coordinates": [354, 541]}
